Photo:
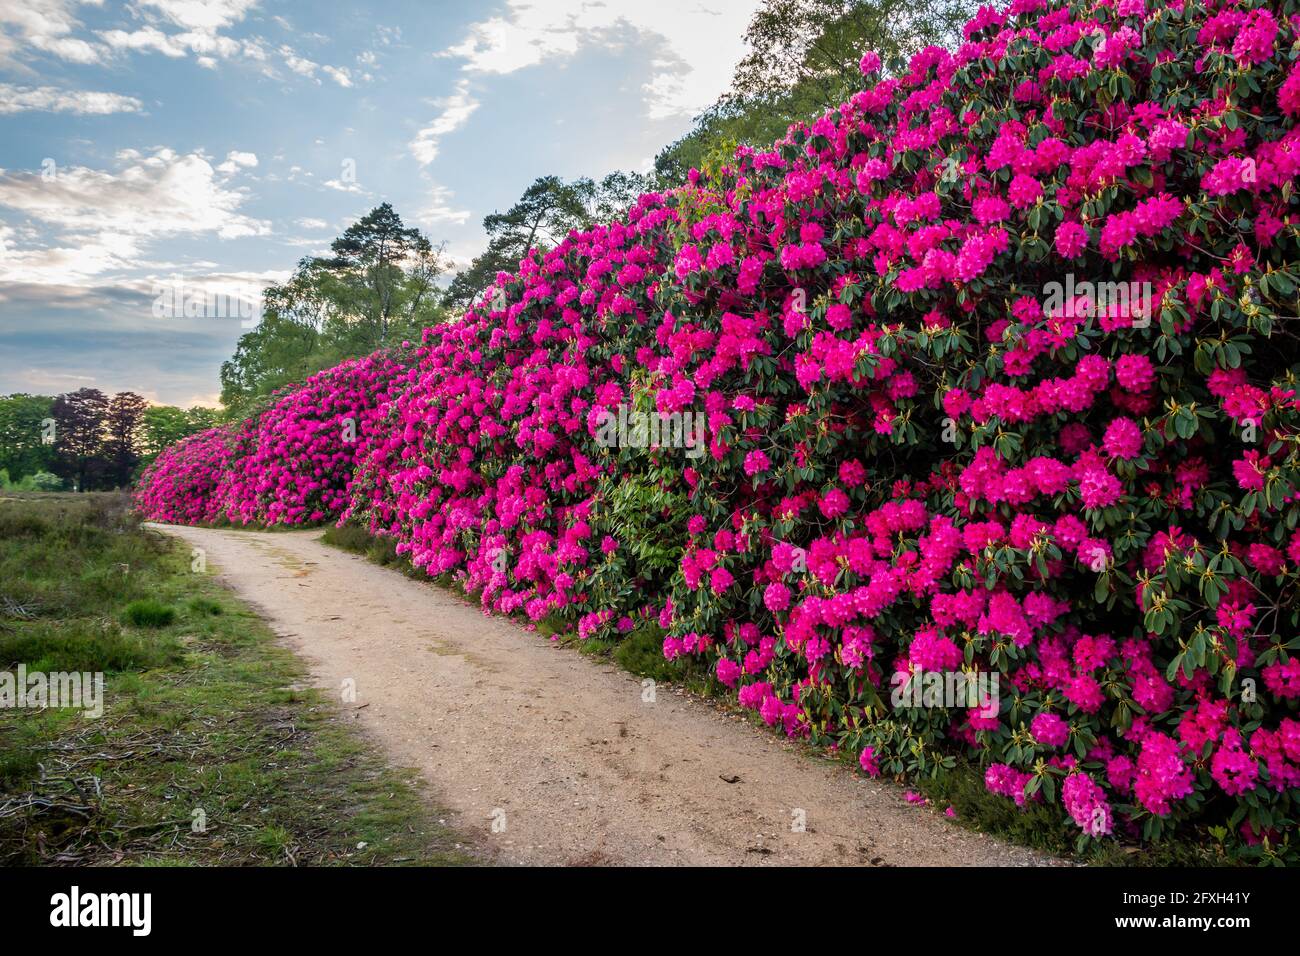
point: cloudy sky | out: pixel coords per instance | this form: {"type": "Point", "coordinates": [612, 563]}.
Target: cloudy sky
{"type": "Point", "coordinates": [215, 142]}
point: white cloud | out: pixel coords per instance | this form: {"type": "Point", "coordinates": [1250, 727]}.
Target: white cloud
{"type": "Point", "coordinates": [173, 28]}
{"type": "Point", "coordinates": [255, 49]}
{"type": "Point", "coordinates": [207, 16]}
{"type": "Point", "coordinates": [237, 160]}
{"type": "Point", "coordinates": [456, 111]}
{"type": "Point", "coordinates": [49, 26]}
{"type": "Point", "coordinates": [339, 74]}
{"type": "Point", "coordinates": [45, 26]}
{"type": "Point", "coordinates": [241, 292]}
{"type": "Point", "coordinates": [308, 68]}
{"type": "Point", "coordinates": [208, 47]}
{"type": "Point", "coordinates": [310, 223]}
{"type": "Point", "coordinates": [143, 40]}
{"type": "Point", "coordinates": [440, 210]}
{"type": "Point", "coordinates": [201, 23]}
{"type": "Point", "coordinates": [318, 247]}
{"type": "Point", "coordinates": [65, 264]}
{"type": "Point", "coordinates": [201, 36]}
{"type": "Point", "coordinates": [462, 253]}
{"type": "Point", "coordinates": [98, 221]}
{"type": "Point", "coordinates": [300, 65]}
{"type": "Point", "coordinates": [339, 185]}
{"type": "Point", "coordinates": [699, 44]}
{"type": "Point", "coordinates": [49, 99]}
{"type": "Point", "coordinates": [45, 380]}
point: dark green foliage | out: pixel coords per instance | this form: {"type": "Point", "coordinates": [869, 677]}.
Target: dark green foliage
{"type": "Point", "coordinates": [150, 613]}
{"type": "Point", "coordinates": [377, 290]}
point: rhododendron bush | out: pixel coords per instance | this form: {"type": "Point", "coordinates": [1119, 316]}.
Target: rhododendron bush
{"type": "Point", "coordinates": [291, 464]}
{"type": "Point", "coordinates": [181, 484]}
{"type": "Point", "coordinates": [306, 445]}
{"type": "Point", "coordinates": [997, 365]}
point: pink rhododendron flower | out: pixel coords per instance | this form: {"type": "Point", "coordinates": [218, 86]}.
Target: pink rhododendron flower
{"type": "Point", "coordinates": [1049, 730]}
{"type": "Point", "coordinates": [1123, 439]}
{"type": "Point", "coordinates": [1086, 803]}
{"type": "Point", "coordinates": [1162, 776]}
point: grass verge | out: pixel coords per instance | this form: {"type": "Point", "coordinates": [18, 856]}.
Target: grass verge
{"type": "Point", "coordinates": [210, 749]}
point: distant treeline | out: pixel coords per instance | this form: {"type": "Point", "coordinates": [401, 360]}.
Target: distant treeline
{"type": "Point", "coordinates": [86, 440]}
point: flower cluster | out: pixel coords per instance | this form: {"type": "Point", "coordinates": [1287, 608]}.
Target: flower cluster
{"type": "Point", "coordinates": [292, 464]}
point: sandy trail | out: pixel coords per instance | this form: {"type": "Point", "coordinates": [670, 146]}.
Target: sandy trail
{"type": "Point", "coordinates": [547, 757]}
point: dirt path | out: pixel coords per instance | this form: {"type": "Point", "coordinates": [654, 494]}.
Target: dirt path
{"type": "Point", "coordinates": [547, 757]}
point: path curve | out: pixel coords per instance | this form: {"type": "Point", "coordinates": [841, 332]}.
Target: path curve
{"type": "Point", "coordinates": [510, 729]}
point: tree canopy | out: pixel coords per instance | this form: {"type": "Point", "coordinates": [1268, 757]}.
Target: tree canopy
{"type": "Point", "coordinates": [801, 59]}
{"type": "Point", "coordinates": [23, 449]}
{"type": "Point", "coordinates": [86, 439]}
{"type": "Point", "coordinates": [377, 289]}
{"type": "Point", "coordinates": [543, 216]}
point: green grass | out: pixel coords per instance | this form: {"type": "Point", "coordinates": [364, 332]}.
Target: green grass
{"type": "Point", "coordinates": [79, 645]}
{"type": "Point", "coordinates": [207, 720]}
{"type": "Point", "coordinates": [201, 606]}
{"type": "Point", "coordinates": [150, 613]}
{"type": "Point", "coordinates": [380, 550]}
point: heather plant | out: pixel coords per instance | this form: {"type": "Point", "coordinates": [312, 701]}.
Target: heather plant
{"type": "Point", "coordinates": [997, 363]}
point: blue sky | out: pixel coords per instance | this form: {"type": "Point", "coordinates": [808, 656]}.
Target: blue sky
{"type": "Point", "coordinates": [219, 141]}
